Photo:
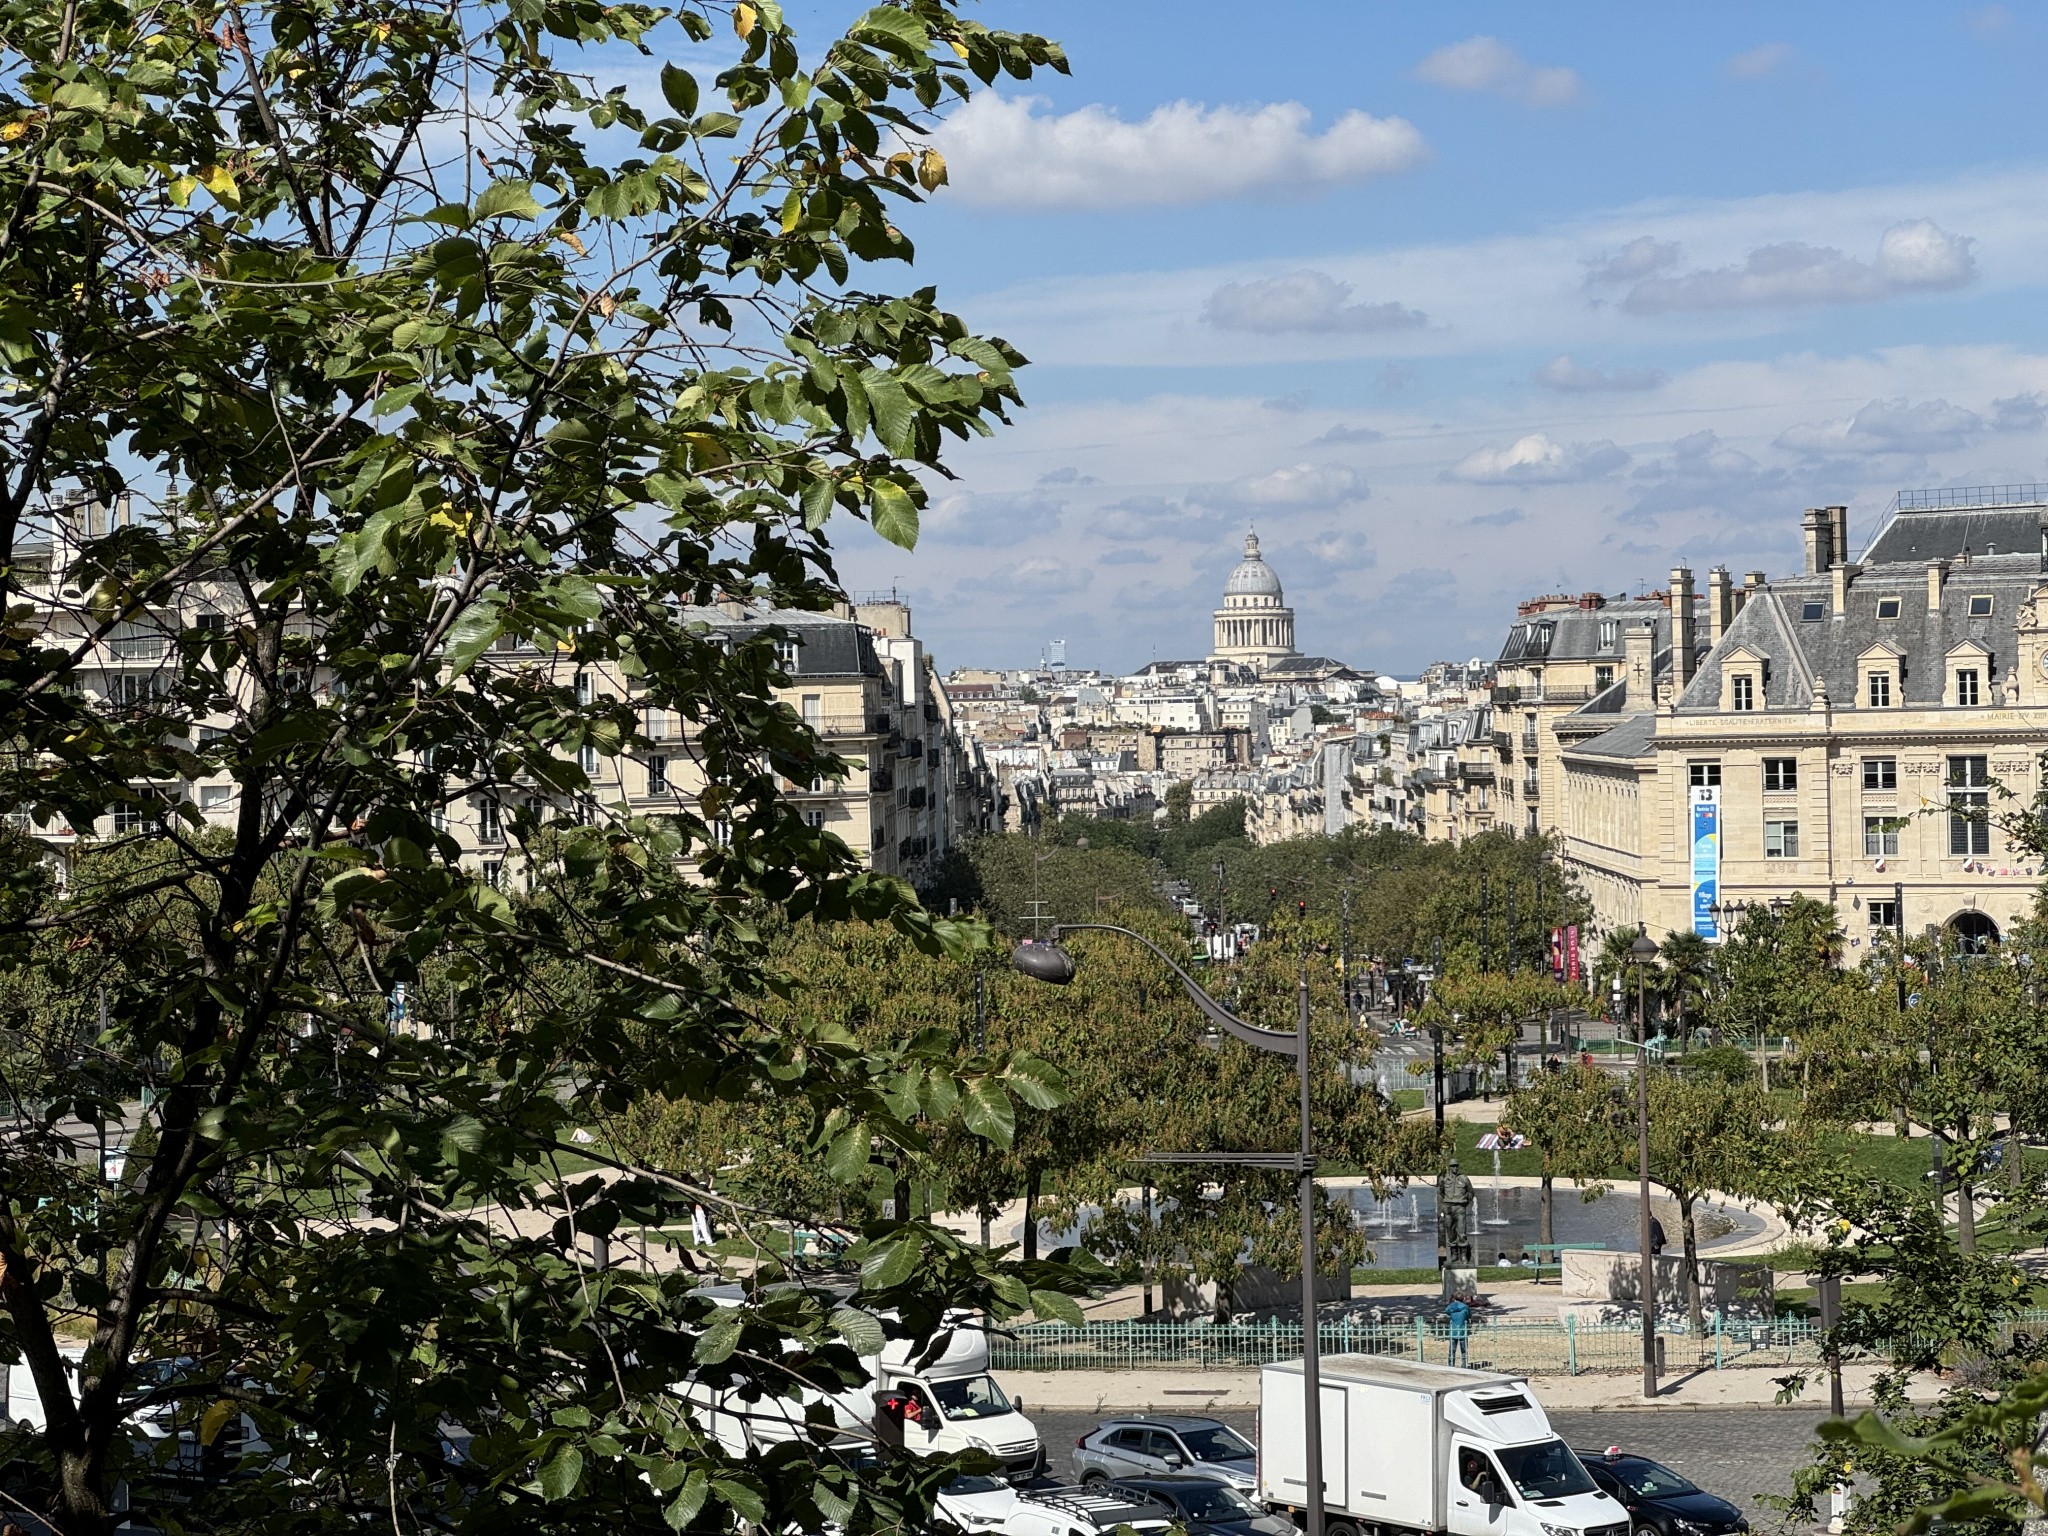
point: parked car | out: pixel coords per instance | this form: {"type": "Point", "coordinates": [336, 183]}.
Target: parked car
{"type": "Point", "coordinates": [1087, 1511]}
{"type": "Point", "coordinates": [1659, 1501]}
{"type": "Point", "coordinates": [1205, 1506]}
{"type": "Point", "coordinates": [1143, 1445]}
{"type": "Point", "coordinates": [975, 1503]}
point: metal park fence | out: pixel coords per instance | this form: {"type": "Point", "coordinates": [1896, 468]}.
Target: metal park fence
{"type": "Point", "coordinates": [1536, 1346]}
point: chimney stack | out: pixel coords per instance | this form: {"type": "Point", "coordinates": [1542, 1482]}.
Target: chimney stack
{"type": "Point", "coordinates": [1683, 634]}
{"type": "Point", "coordinates": [1720, 606]}
{"type": "Point", "coordinates": [1820, 538]}
{"type": "Point", "coordinates": [1838, 535]}
{"type": "Point", "coordinates": [1639, 656]}
{"type": "Point", "coordinates": [1937, 572]}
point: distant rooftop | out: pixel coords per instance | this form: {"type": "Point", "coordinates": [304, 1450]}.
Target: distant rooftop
{"type": "Point", "coordinates": [1948, 521]}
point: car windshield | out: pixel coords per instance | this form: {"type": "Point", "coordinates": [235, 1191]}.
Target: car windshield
{"type": "Point", "coordinates": [970, 1483]}
{"type": "Point", "coordinates": [1649, 1479]}
{"type": "Point", "coordinates": [972, 1397]}
{"type": "Point", "coordinates": [1215, 1502]}
{"type": "Point", "coordinates": [1219, 1444]}
{"type": "Point", "coordinates": [1546, 1471]}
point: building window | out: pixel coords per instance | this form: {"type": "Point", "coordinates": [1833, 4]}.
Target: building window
{"type": "Point", "coordinates": [657, 775]}
{"type": "Point", "coordinates": [1610, 632]}
{"type": "Point", "coordinates": [216, 797]}
{"type": "Point", "coordinates": [1969, 807]}
{"type": "Point", "coordinates": [129, 818]}
{"type": "Point", "coordinates": [814, 710]}
{"type": "Point", "coordinates": [720, 832]}
{"type": "Point", "coordinates": [1781, 839]}
{"type": "Point", "coordinates": [1813, 610]}
{"type": "Point", "coordinates": [1603, 679]}
{"type": "Point", "coordinates": [1781, 773]}
{"type": "Point", "coordinates": [490, 821]}
{"type": "Point", "coordinates": [586, 758]}
{"type": "Point", "coordinates": [1536, 682]}
{"type": "Point", "coordinates": [786, 652]}
{"type": "Point", "coordinates": [1980, 605]}
{"type": "Point", "coordinates": [1966, 685]}
{"type": "Point", "coordinates": [815, 820]}
{"type": "Point", "coordinates": [657, 724]}
{"type": "Point", "coordinates": [1878, 690]}
{"type": "Point", "coordinates": [494, 873]}
{"type": "Point", "coordinates": [1887, 607]}
{"type": "Point", "coordinates": [1704, 773]}
{"type": "Point", "coordinates": [1883, 913]}
{"type": "Point", "coordinates": [585, 690]}
{"type": "Point", "coordinates": [1880, 837]}
{"type": "Point", "coordinates": [1880, 774]}
{"type": "Point", "coordinates": [1742, 691]}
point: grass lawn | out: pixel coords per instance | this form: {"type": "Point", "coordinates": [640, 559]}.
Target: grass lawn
{"type": "Point", "coordinates": [1428, 1278]}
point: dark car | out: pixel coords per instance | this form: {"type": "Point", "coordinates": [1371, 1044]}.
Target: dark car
{"type": "Point", "coordinates": [1658, 1499]}
{"type": "Point", "coordinates": [1205, 1506]}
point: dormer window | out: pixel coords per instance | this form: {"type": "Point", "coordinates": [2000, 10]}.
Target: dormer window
{"type": "Point", "coordinates": [1887, 607]}
{"type": "Point", "coordinates": [1980, 605]}
{"type": "Point", "coordinates": [1742, 692]}
{"type": "Point", "coordinates": [1880, 671]}
{"type": "Point", "coordinates": [1966, 686]}
{"type": "Point", "coordinates": [1969, 675]}
{"type": "Point", "coordinates": [1610, 633]}
{"type": "Point", "coordinates": [1877, 690]}
{"type": "Point", "coordinates": [1742, 681]}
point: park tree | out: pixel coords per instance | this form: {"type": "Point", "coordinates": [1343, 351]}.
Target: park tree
{"type": "Point", "coordinates": [1576, 1118]}
{"type": "Point", "coordinates": [1779, 971]}
{"type": "Point", "coordinates": [1482, 1013]}
{"type": "Point", "coordinates": [450, 353]}
{"type": "Point", "coordinates": [1685, 973]}
{"type": "Point", "coordinates": [1706, 1133]}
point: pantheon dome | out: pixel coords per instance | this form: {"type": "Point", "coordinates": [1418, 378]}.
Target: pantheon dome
{"type": "Point", "coordinates": [1254, 627]}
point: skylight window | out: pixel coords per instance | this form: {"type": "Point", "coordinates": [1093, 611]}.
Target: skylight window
{"type": "Point", "coordinates": [1812, 610]}
{"type": "Point", "coordinates": [1887, 607]}
{"type": "Point", "coordinates": [1980, 606]}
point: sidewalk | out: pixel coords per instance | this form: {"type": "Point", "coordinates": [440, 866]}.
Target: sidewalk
{"type": "Point", "coordinates": [1195, 1391]}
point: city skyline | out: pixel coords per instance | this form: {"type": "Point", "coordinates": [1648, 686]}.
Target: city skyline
{"type": "Point", "coordinates": [1458, 310]}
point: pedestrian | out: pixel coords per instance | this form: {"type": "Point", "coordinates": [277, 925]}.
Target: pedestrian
{"type": "Point", "coordinates": [1656, 1237]}
{"type": "Point", "coordinates": [1585, 1058]}
{"type": "Point", "coordinates": [1458, 1315]}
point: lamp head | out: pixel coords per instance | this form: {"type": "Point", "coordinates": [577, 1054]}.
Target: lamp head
{"type": "Point", "coordinates": [1043, 962]}
{"type": "Point", "coordinates": [1644, 950]}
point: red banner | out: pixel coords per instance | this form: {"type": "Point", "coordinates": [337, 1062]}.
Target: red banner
{"type": "Point", "coordinates": [1571, 953]}
{"type": "Point", "coordinates": [1557, 953]}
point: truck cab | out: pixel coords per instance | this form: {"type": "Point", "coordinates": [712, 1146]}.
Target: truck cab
{"type": "Point", "coordinates": [953, 1404]}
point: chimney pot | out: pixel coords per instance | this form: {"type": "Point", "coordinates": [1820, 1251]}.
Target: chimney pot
{"type": "Point", "coordinates": [1720, 612]}
{"type": "Point", "coordinates": [1937, 573]}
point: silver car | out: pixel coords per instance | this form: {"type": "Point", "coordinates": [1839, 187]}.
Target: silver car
{"type": "Point", "coordinates": [1145, 1444]}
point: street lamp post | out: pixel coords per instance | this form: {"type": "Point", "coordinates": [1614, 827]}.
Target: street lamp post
{"type": "Point", "coordinates": [1048, 962]}
{"type": "Point", "coordinates": [1640, 954]}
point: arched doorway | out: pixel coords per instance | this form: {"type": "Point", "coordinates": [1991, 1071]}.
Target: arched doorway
{"type": "Point", "coordinates": [1975, 933]}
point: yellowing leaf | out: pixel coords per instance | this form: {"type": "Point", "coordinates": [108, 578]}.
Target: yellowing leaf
{"type": "Point", "coordinates": [931, 170]}
{"type": "Point", "coordinates": [14, 130]}
{"type": "Point", "coordinates": [215, 1419]}
{"type": "Point", "coordinates": [743, 21]}
{"type": "Point", "coordinates": [959, 48]}
{"type": "Point", "coordinates": [215, 179]}
{"type": "Point", "coordinates": [568, 238]}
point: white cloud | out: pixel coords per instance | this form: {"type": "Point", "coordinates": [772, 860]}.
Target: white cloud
{"type": "Point", "coordinates": [1759, 62]}
{"type": "Point", "coordinates": [1297, 485]}
{"type": "Point", "coordinates": [1005, 152]}
{"type": "Point", "coordinates": [1889, 426]}
{"type": "Point", "coordinates": [1638, 259]}
{"type": "Point", "coordinates": [1488, 64]}
{"type": "Point", "coordinates": [2020, 413]}
{"type": "Point", "coordinates": [991, 520]}
{"type": "Point", "coordinates": [1343, 433]}
{"type": "Point", "coordinates": [1036, 575]}
{"type": "Point", "coordinates": [1303, 301]}
{"type": "Point", "coordinates": [1570, 378]}
{"type": "Point", "coordinates": [1914, 256]}
{"type": "Point", "coordinates": [1535, 460]}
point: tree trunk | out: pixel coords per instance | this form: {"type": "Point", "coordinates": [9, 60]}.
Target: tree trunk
{"type": "Point", "coordinates": [1693, 1310]}
{"type": "Point", "coordinates": [1966, 1218]}
{"type": "Point", "coordinates": [1031, 1186]}
{"type": "Point", "coordinates": [1543, 1223]}
{"type": "Point", "coordinates": [899, 1198]}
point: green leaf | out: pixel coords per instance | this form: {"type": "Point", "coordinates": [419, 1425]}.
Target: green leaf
{"type": "Point", "coordinates": [683, 1508]}
{"type": "Point", "coordinates": [893, 513]}
{"type": "Point", "coordinates": [861, 1330]}
{"type": "Point", "coordinates": [474, 631]}
{"type": "Point", "coordinates": [679, 86]}
{"type": "Point", "coordinates": [989, 1112]}
{"type": "Point", "coordinates": [1038, 1083]}
{"type": "Point", "coordinates": [818, 502]}
{"type": "Point", "coordinates": [887, 25]}
{"type": "Point", "coordinates": [717, 1342]}
{"type": "Point", "coordinates": [508, 199]}
{"type": "Point", "coordinates": [560, 1474]}
{"type": "Point", "coordinates": [216, 1417]}
{"type": "Point", "coordinates": [890, 1265]}
{"type": "Point", "coordinates": [1057, 1307]}
{"type": "Point", "coordinates": [745, 1501]}
{"type": "Point", "coordinates": [846, 1157]}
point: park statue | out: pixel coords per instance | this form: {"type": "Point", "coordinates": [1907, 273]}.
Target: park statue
{"type": "Point", "coordinates": [1454, 1217]}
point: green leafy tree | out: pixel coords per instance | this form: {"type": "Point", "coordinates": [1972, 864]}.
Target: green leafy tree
{"type": "Point", "coordinates": [1576, 1119]}
{"type": "Point", "coordinates": [449, 347]}
{"type": "Point", "coordinates": [1685, 976]}
{"type": "Point", "coordinates": [1706, 1133]}
{"type": "Point", "coordinates": [1482, 1014]}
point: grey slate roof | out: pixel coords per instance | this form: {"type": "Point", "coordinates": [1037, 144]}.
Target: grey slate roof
{"type": "Point", "coordinates": [1631, 738]}
{"type": "Point", "coordinates": [1944, 535]}
{"type": "Point", "coordinates": [1575, 632]}
{"type": "Point", "coordinates": [1797, 649]}
{"type": "Point", "coordinates": [829, 646]}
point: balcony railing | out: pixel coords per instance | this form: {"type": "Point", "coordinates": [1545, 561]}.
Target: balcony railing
{"type": "Point", "coordinates": [1528, 741]}
{"type": "Point", "coordinates": [881, 780]}
{"type": "Point", "coordinates": [847, 725]}
{"type": "Point", "coordinates": [1528, 789]}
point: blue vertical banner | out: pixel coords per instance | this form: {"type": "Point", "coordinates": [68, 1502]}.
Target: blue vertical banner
{"type": "Point", "coordinates": [1706, 859]}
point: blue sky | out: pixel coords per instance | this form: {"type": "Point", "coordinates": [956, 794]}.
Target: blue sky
{"type": "Point", "coordinates": [1465, 303]}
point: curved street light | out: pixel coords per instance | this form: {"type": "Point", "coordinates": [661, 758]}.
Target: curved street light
{"type": "Point", "coordinates": [1049, 963]}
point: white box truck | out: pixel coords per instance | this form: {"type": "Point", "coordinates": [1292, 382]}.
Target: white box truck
{"type": "Point", "coordinates": [936, 1408]}
{"type": "Point", "coordinates": [1426, 1448]}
